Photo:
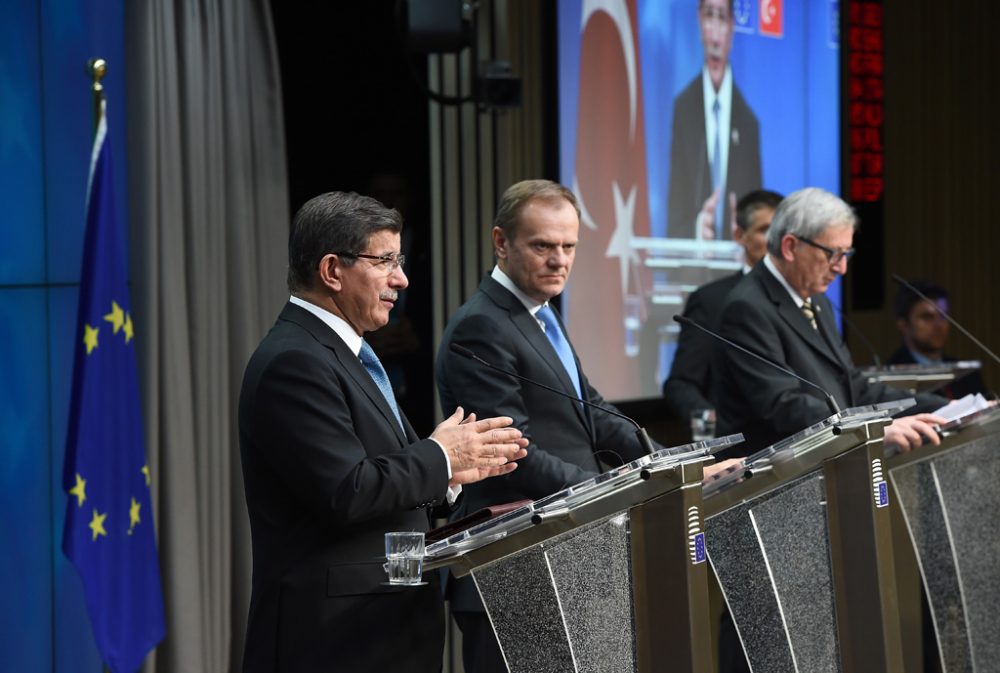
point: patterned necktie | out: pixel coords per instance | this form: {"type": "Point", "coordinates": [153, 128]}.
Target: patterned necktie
{"type": "Point", "coordinates": [377, 372]}
{"type": "Point", "coordinates": [810, 313]}
{"type": "Point", "coordinates": [559, 342]}
{"type": "Point", "coordinates": [717, 172]}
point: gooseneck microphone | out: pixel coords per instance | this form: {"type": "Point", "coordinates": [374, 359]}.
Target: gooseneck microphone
{"type": "Point", "coordinates": [899, 279]}
{"type": "Point", "coordinates": [640, 432]}
{"type": "Point", "coordinates": [829, 398]}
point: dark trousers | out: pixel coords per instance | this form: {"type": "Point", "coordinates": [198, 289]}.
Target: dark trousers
{"type": "Point", "coordinates": [731, 656]}
{"type": "Point", "coordinates": [480, 650]}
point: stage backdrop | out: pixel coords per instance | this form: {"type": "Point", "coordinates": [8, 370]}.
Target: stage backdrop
{"type": "Point", "coordinates": [46, 137]}
{"type": "Point", "coordinates": [621, 65]}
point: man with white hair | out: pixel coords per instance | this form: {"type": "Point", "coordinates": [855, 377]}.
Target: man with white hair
{"type": "Point", "coordinates": [779, 311]}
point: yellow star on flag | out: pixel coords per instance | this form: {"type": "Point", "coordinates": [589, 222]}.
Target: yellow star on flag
{"type": "Point", "coordinates": [133, 516]}
{"type": "Point", "coordinates": [90, 337]}
{"type": "Point", "coordinates": [128, 328]}
{"type": "Point", "coordinates": [80, 490]}
{"type": "Point", "coordinates": [116, 317]}
{"type": "Point", "coordinates": [145, 472]}
{"type": "Point", "coordinates": [97, 524]}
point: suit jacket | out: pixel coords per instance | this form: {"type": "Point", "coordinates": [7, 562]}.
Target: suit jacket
{"type": "Point", "coordinates": [327, 472]}
{"type": "Point", "coordinates": [767, 405]}
{"type": "Point", "coordinates": [567, 440]}
{"type": "Point", "coordinates": [690, 385]}
{"type": "Point", "coordinates": [690, 171]}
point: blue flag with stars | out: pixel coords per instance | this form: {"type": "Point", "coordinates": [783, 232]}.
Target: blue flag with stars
{"type": "Point", "coordinates": [109, 534]}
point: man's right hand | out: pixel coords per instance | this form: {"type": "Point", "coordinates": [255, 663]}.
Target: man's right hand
{"type": "Point", "coordinates": [478, 449]}
{"type": "Point", "coordinates": [705, 222]}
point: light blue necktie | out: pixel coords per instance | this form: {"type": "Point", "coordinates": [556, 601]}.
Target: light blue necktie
{"type": "Point", "coordinates": [559, 342]}
{"type": "Point", "coordinates": [377, 372]}
{"type": "Point", "coordinates": [717, 172]}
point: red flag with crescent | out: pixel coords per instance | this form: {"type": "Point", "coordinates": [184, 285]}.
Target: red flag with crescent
{"type": "Point", "coordinates": [605, 304]}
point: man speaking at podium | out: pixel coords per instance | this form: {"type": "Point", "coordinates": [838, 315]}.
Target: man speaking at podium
{"type": "Point", "coordinates": [779, 311]}
{"type": "Point", "coordinates": [330, 463]}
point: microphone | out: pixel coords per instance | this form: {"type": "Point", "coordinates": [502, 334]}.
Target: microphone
{"type": "Point", "coordinates": [861, 335]}
{"type": "Point", "coordinates": [829, 398]}
{"type": "Point", "coordinates": [908, 286]}
{"type": "Point", "coordinates": [640, 432]}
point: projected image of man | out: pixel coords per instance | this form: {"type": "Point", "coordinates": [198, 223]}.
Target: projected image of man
{"type": "Point", "coordinates": [715, 142]}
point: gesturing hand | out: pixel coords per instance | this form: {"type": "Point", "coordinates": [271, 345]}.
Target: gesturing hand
{"type": "Point", "coordinates": [478, 449]}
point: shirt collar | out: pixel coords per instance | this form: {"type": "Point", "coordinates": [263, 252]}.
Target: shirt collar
{"type": "Point", "coordinates": [922, 359]}
{"type": "Point", "coordinates": [342, 328]}
{"type": "Point", "coordinates": [503, 279]}
{"type": "Point", "coordinates": [769, 263]}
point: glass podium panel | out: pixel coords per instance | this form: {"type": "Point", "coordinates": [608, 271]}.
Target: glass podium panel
{"type": "Point", "coordinates": [592, 573]}
{"type": "Point", "coordinates": [565, 605]}
{"type": "Point", "coordinates": [769, 543]}
{"type": "Point", "coordinates": [951, 504]}
{"type": "Point", "coordinates": [772, 558]}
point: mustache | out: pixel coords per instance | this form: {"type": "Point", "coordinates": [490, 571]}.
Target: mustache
{"type": "Point", "coordinates": [388, 294]}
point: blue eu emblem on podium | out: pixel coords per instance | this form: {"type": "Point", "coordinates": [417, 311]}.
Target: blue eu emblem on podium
{"type": "Point", "coordinates": [696, 536]}
{"type": "Point", "coordinates": [880, 488]}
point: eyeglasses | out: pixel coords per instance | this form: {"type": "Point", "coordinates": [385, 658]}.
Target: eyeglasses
{"type": "Point", "coordinates": [388, 262]}
{"type": "Point", "coordinates": [832, 255]}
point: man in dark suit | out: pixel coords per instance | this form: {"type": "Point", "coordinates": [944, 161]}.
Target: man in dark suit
{"type": "Point", "coordinates": [924, 331]}
{"type": "Point", "coordinates": [780, 312]}
{"type": "Point", "coordinates": [509, 322]}
{"type": "Point", "coordinates": [715, 141]}
{"type": "Point", "coordinates": [689, 386]}
{"type": "Point", "coordinates": [330, 464]}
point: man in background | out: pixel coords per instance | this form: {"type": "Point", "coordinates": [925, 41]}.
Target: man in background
{"type": "Point", "coordinates": [715, 141]}
{"type": "Point", "coordinates": [330, 463]}
{"type": "Point", "coordinates": [925, 331]}
{"type": "Point", "coordinates": [689, 386]}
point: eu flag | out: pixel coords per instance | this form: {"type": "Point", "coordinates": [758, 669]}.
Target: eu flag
{"type": "Point", "coordinates": [109, 534]}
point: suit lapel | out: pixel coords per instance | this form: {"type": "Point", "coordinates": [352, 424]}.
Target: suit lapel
{"type": "Point", "coordinates": [793, 317]}
{"type": "Point", "coordinates": [528, 326]}
{"type": "Point", "coordinates": [349, 363]}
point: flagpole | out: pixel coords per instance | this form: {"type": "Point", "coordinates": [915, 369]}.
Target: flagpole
{"type": "Point", "coordinates": [97, 67]}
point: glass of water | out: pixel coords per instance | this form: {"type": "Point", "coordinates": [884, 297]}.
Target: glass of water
{"type": "Point", "coordinates": [404, 555]}
{"type": "Point", "coordinates": [702, 424]}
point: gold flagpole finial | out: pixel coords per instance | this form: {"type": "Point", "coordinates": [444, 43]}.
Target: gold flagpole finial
{"type": "Point", "coordinates": [98, 68]}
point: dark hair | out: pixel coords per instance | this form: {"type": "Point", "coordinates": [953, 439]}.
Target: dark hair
{"type": "Point", "coordinates": [519, 194]}
{"type": "Point", "coordinates": [731, 4]}
{"type": "Point", "coordinates": [333, 222]}
{"type": "Point", "coordinates": [906, 298]}
{"type": "Point", "coordinates": [752, 202]}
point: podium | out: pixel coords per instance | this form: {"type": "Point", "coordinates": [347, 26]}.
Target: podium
{"type": "Point", "coordinates": [608, 575]}
{"type": "Point", "coordinates": [921, 378]}
{"type": "Point", "coordinates": [803, 549]}
{"type": "Point", "coordinates": [950, 501]}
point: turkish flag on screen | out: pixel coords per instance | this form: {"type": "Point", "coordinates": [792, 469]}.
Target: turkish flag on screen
{"type": "Point", "coordinates": [611, 185]}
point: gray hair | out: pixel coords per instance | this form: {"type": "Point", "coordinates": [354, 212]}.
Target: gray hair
{"type": "Point", "coordinates": [808, 213]}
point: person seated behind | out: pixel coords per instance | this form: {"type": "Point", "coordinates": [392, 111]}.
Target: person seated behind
{"type": "Point", "coordinates": [925, 331]}
{"type": "Point", "coordinates": [689, 386]}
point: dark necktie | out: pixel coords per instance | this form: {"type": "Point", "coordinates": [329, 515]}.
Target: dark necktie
{"type": "Point", "coordinates": [377, 372]}
{"type": "Point", "coordinates": [810, 313]}
{"type": "Point", "coordinates": [558, 340]}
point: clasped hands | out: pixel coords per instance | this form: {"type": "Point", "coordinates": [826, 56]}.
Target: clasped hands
{"type": "Point", "coordinates": [478, 449]}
